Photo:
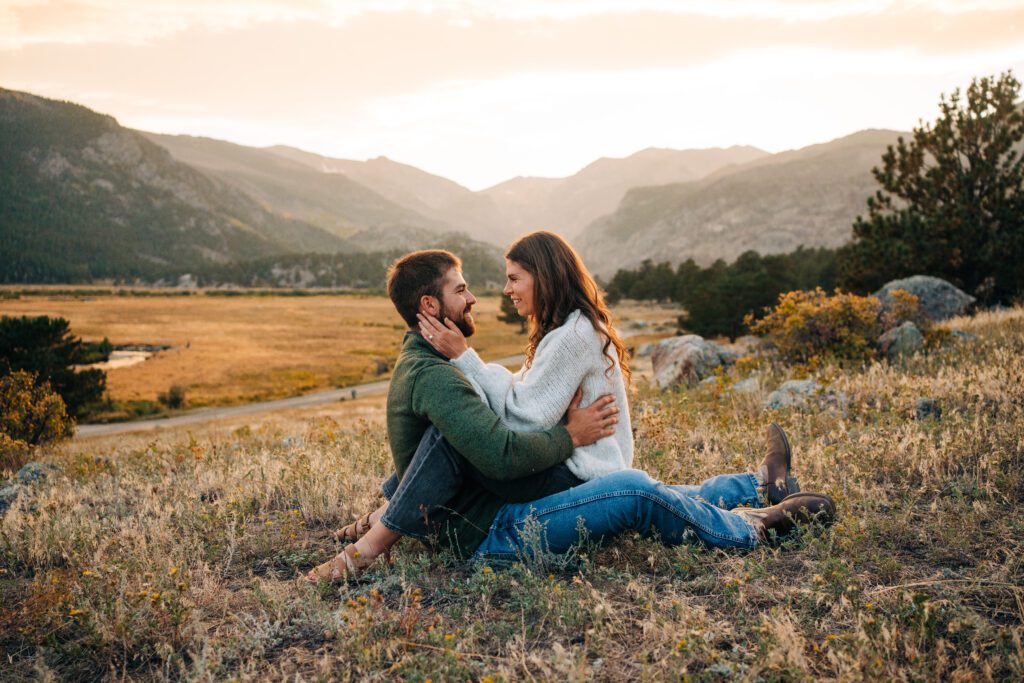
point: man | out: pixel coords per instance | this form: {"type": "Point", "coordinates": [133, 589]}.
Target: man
{"type": "Point", "coordinates": [452, 453]}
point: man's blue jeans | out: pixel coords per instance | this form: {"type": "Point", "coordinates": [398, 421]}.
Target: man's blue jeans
{"type": "Point", "coordinates": [437, 472]}
{"type": "Point", "coordinates": [626, 501]}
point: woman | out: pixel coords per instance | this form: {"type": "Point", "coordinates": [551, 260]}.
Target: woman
{"type": "Point", "coordinates": [572, 346]}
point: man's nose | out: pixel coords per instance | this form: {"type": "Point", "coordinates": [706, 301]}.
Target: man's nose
{"type": "Point", "coordinates": [470, 299]}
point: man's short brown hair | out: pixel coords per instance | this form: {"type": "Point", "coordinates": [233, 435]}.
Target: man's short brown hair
{"type": "Point", "coordinates": [418, 274]}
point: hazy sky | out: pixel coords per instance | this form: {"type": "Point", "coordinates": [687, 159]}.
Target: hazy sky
{"type": "Point", "coordinates": [483, 91]}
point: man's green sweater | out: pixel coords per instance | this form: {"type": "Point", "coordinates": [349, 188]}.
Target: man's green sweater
{"type": "Point", "coordinates": [426, 389]}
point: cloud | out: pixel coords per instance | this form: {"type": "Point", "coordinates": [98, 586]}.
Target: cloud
{"type": "Point", "coordinates": [136, 22]}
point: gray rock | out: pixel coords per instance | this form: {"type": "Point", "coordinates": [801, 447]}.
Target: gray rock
{"type": "Point", "coordinates": [8, 495]}
{"type": "Point", "coordinates": [901, 341]}
{"type": "Point", "coordinates": [727, 354]}
{"type": "Point", "coordinates": [750, 385]}
{"type": "Point", "coordinates": [36, 472]}
{"type": "Point", "coordinates": [963, 336]}
{"type": "Point", "coordinates": [709, 381]}
{"type": "Point", "coordinates": [927, 407]}
{"type": "Point", "coordinates": [644, 350]}
{"type": "Point", "coordinates": [801, 393]}
{"type": "Point", "coordinates": [683, 360]}
{"type": "Point", "coordinates": [939, 299]}
{"type": "Point", "coordinates": [792, 393]}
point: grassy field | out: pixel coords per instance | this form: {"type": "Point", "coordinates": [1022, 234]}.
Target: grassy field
{"type": "Point", "coordinates": [174, 557]}
{"type": "Point", "coordinates": [240, 349]}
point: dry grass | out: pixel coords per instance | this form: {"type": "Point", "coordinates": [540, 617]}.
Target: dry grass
{"type": "Point", "coordinates": [173, 559]}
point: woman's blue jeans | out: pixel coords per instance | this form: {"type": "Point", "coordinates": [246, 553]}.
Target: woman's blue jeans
{"type": "Point", "coordinates": [630, 500]}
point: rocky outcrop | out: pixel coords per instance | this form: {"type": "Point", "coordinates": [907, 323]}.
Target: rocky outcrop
{"type": "Point", "coordinates": [901, 341]}
{"type": "Point", "coordinates": [939, 299]}
{"type": "Point", "coordinates": [687, 360]}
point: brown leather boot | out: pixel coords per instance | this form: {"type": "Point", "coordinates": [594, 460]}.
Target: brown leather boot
{"type": "Point", "coordinates": [797, 508]}
{"type": "Point", "coordinates": [775, 468]}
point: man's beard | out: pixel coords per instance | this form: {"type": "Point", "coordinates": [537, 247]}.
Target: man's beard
{"type": "Point", "coordinates": [464, 323]}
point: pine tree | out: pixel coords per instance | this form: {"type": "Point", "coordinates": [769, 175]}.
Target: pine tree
{"type": "Point", "coordinates": [952, 199]}
{"type": "Point", "coordinates": [46, 348]}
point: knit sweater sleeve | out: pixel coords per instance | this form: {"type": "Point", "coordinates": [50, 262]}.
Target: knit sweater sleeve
{"type": "Point", "coordinates": [447, 399]}
{"type": "Point", "coordinates": [538, 397]}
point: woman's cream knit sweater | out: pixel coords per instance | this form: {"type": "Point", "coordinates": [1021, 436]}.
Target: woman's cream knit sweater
{"type": "Point", "coordinates": [536, 398]}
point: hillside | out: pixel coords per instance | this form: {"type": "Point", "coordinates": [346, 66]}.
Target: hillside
{"type": "Point", "coordinates": [331, 201]}
{"type": "Point", "coordinates": [83, 197]}
{"type": "Point", "coordinates": [773, 204]}
{"type": "Point", "coordinates": [442, 200]}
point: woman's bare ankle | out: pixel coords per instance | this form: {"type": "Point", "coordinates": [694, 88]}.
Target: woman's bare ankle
{"type": "Point", "coordinates": [377, 541]}
{"type": "Point", "coordinates": [378, 513]}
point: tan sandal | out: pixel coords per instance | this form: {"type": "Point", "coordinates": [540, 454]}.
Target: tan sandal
{"type": "Point", "coordinates": [347, 565]}
{"type": "Point", "coordinates": [350, 533]}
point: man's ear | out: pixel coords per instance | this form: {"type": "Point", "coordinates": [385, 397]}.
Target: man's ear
{"type": "Point", "coordinates": [429, 304]}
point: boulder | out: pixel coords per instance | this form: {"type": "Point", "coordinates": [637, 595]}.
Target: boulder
{"type": "Point", "coordinates": [939, 299]}
{"type": "Point", "coordinates": [901, 341]}
{"type": "Point", "coordinates": [927, 407]}
{"type": "Point", "coordinates": [750, 385]}
{"type": "Point", "coordinates": [36, 472]}
{"type": "Point", "coordinates": [800, 393]}
{"type": "Point", "coordinates": [31, 474]}
{"type": "Point", "coordinates": [684, 360]}
{"type": "Point", "coordinates": [727, 354]}
{"type": "Point", "coordinates": [644, 350]}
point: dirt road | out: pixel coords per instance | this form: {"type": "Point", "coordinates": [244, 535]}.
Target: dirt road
{"type": "Point", "coordinates": [204, 415]}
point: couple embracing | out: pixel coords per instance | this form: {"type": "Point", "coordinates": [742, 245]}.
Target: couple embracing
{"type": "Point", "coordinates": [482, 454]}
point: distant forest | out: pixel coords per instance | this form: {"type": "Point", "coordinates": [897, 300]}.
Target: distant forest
{"type": "Point", "coordinates": [481, 266]}
{"type": "Point", "coordinates": [717, 298]}
{"type": "Point", "coordinates": [340, 271]}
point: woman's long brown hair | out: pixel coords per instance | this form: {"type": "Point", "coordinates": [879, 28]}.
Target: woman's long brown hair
{"type": "Point", "coordinates": [562, 284]}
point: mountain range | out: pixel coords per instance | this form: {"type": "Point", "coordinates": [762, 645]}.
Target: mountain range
{"type": "Point", "coordinates": [774, 204]}
{"type": "Point", "coordinates": [84, 197]}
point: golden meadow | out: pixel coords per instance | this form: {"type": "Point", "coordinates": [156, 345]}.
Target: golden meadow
{"type": "Point", "coordinates": [174, 556]}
